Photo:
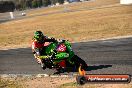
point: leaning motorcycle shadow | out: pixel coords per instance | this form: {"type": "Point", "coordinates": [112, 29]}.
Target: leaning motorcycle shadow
{"type": "Point", "coordinates": [88, 68]}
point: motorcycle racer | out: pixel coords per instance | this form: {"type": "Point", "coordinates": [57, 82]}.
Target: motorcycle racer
{"type": "Point", "coordinates": [38, 44]}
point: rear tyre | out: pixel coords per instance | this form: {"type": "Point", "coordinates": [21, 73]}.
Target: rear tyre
{"type": "Point", "coordinates": [60, 69]}
{"type": "Point", "coordinates": [78, 61]}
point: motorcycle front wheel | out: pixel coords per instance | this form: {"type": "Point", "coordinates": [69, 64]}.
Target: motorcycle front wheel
{"type": "Point", "coordinates": [43, 66]}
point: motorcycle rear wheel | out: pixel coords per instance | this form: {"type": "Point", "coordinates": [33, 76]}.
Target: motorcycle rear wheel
{"type": "Point", "coordinates": [78, 61]}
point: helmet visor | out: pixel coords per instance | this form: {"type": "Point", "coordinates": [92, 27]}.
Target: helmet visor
{"type": "Point", "coordinates": [38, 37]}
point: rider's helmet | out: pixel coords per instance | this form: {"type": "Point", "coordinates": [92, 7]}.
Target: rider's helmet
{"type": "Point", "coordinates": [38, 35]}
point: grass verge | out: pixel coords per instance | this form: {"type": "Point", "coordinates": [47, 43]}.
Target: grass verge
{"type": "Point", "coordinates": [75, 85]}
{"type": "Point", "coordinates": [6, 83]}
{"type": "Point", "coordinates": [75, 26]}
{"type": "Point", "coordinates": [97, 85]}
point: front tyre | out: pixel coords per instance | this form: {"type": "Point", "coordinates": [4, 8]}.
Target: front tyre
{"type": "Point", "coordinates": [43, 66]}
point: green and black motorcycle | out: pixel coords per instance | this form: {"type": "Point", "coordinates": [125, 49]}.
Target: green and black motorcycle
{"type": "Point", "coordinates": [60, 56]}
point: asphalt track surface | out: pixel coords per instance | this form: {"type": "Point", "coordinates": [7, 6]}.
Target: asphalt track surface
{"type": "Point", "coordinates": [113, 56]}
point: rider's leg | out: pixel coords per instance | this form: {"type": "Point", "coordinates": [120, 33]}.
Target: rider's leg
{"type": "Point", "coordinates": [36, 55]}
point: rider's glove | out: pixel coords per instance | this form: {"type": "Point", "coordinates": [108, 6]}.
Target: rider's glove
{"type": "Point", "coordinates": [53, 39]}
